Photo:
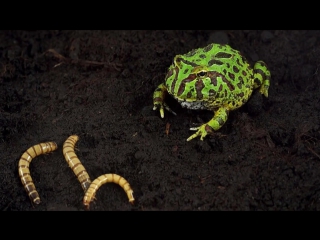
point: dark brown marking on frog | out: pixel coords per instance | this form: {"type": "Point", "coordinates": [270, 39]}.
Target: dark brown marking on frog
{"type": "Point", "coordinates": [262, 73]}
{"type": "Point", "coordinates": [235, 69]}
{"type": "Point", "coordinates": [208, 129]}
{"type": "Point", "coordinates": [199, 86]}
{"type": "Point", "coordinates": [231, 75]}
{"type": "Point", "coordinates": [213, 75]}
{"type": "Point", "coordinates": [228, 65]}
{"type": "Point", "coordinates": [183, 83]}
{"type": "Point", "coordinates": [202, 56]}
{"type": "Point", "coordinates": [244, 73]}
{"type": "Point", "coordinates": [220, 88]}
{"type": "Point", "coordinates": [223, 55]}
{"type": "Point", "coordinates": [241, 95]}
{"type": "Point", "coordinates": [239, 63]}
{"type": "Point", "coordinates": [173, 84]}
{"type": "Point", "coordinates": [241, 80]}
{"type": "Point", "coordinates": [239, 85]}
{"type": "Point", "coordinates": [167, 86]}
{"type": "Point", "coordinates": [257, 81]}
{"type": "Point", "coordinates": [263, 64]}
{"type": "Point", "coordinates": [220, 121]}
{"type": "Point", "coordinates": [169, 73]}
{"type": "Point", "coordinates": [189, 95]}
{"type": "Point", "coordinates": [213, 93]}
{"type": "Point", "coordinates": [208, 48]}
{"type": "Point", "coordinates": [224, 71]}
{"type": "Point", "coordinates": [157, 99]}
{"type": "Point", "coordinates": [213, 79]}
{"type": "Point", "coordinates": [185, 71]}
{"type": "Point", "coordinates": [189, 62]}
{"type": "Point", "coordinates": [229, 84]}
{"type": "Point", "coordinates": [214, 61]}
{"type": "Point", "coordinates": [191, 53]}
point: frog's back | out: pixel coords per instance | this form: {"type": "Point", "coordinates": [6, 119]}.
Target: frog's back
{"type": "Point", "coordinates": [229, 77]}
{"type": "Point", "coordinates": [223, 59]}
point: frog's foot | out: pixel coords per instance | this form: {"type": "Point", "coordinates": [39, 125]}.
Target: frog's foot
{"type": "Point", "coordinates": [161, 106]}
{"type": "Point", "coordinates": [202, 131]}
{"type": "Point", "coordinates": [262, 77]}
{"type": "Point", "coordinates": [158, 100]}
{"type": "Point", "coordinates": [264, 90]}
{"type": "Point", "coordinates": [219, 118]}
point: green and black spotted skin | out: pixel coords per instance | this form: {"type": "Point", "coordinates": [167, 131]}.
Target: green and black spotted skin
{"type": "Point", "coordinates": [216, 77]}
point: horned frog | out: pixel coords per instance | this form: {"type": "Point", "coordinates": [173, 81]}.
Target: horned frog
{"type": "Point", "coordinates": [217, 78]}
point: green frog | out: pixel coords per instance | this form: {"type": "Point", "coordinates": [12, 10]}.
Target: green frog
{"type": "Point", "coordinates": [216, 78]}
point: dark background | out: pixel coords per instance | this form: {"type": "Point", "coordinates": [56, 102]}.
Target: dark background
{"type": "Point", "coordinates": [99, 85]}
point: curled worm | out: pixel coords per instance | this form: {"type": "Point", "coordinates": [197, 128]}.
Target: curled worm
{"type": "Point", "coordinates": [106, 178]}
{"type": "Point", "coordinates": [23, 167]}
{"type": "Point", "coordinates": [74, 162]}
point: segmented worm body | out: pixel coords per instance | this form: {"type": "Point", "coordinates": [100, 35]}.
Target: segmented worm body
{"type": "Point", "coordinates": [74, 162]}
{"type": "Point", "coordinates": [106, 178]}
{"type": "Point", "coordinates": [23, 167]}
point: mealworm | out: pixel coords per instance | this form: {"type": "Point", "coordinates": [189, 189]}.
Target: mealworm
{"type": "Point", "coordinates": [106, 178]}
{"type": "Point", "coordinates": [23, 167]}
{"type": "Point", "coordinates": [74, 162]}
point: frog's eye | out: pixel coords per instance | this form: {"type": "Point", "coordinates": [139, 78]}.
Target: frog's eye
{"type": "Point", "coordinates": [202, 74]}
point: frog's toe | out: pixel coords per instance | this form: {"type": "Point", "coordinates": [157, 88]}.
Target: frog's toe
{"type": "Point", "coordinates": [193, 136]}
{"type": "Point", "coordinates": [264, 90]}
{"type": "Point", "coordinates": [161, 112]}
{"type": "Point", "coordinates": [160, 107]}
{"type": "Point", "coordinates": [194, 128]}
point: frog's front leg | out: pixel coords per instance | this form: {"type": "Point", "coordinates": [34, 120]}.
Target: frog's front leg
{"type": "Point", "coordinates": [219, 118]}
{"type": "Point", "coordinates": [158, 100]}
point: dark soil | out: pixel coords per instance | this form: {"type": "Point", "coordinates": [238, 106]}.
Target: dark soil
{"type": "Point", "coordinates": [99, 86]}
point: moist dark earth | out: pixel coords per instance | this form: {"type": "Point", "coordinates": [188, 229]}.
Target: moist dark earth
{"type": "Point", "coordinates": [99, 85]}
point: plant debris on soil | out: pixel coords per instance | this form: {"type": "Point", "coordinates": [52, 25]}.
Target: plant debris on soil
{"type": "Point", "coordinates": [99, 85]}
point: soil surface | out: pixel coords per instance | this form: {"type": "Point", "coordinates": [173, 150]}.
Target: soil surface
{"type": "Point", "coordinates": [99, 85]}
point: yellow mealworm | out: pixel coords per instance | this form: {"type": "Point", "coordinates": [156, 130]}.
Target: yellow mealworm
{"type": "Point", "coordinates": [23, 167]}
{"type": "Point", "coordinates": [106, 178]}
{"type": "Point", "coordinates": [74, 162]}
